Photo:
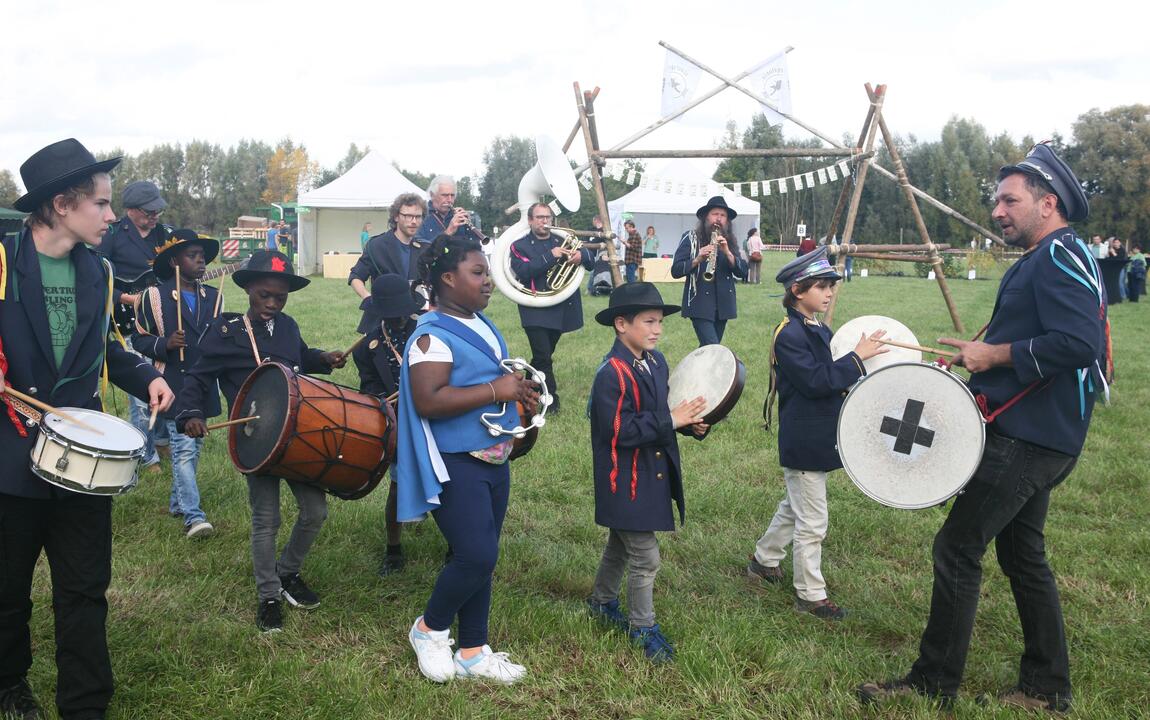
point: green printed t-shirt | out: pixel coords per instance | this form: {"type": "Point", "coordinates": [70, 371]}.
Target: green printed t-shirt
{"type": "Point", "coordinates": [58, 276]}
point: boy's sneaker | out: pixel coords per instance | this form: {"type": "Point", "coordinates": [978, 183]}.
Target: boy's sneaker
{"type": "Point", "coordinates": [766, 573]}
{"type": "Point", "coordinates": [269, 616]}
{"type": "Point", "coordinates": [19, 703]}
{"type": "Point", "coordinates": [608, 613]}
{"type": "Point", "coordinates": [823, 609]}
{"type": "Point", "coordinates": [296, 592]}
{"type": "Point", "coordinates": [880, 692]}
{"type": "Point", "coordinates": [489, 665]}
{"type": "Point", "coordinates": [200, 529]}
{"type": "Point", "coordinates": [1017, 697]}
{"type": "Point", "coordinates": [655, 646]}
{"type": "Point", "coordinates": [433, 651]}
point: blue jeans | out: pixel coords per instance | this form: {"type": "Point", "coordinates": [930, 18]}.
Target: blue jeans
{"type": "Point", "coordinates": [1006, 501]}
{"type": "Point", "coordinates": [185, 497]}
{"type": "Point", "coordinates": [632, 270]}
{"type": "Point", "coordinates": [709, 332]}
{"type": "Point", "coordinates": [139, 414]}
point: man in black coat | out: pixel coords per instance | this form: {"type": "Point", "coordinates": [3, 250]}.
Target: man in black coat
{"type": "Point", "coordinates": [710, 301]}
{"type": "Point", "coordinates": [54, 295]}
{"type": "Point", "coordinates": [395, 252]}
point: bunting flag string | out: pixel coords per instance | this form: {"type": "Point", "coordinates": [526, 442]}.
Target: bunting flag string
{"type": "Point", "coordinates": [754, 188]}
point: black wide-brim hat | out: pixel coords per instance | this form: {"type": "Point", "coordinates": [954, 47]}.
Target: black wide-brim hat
{"type": "Point", "coordinates": [1042, 162]}
{"type": "Point", "coordinates": [632, 298]}
{"type": "Point", "coordinates": [717, 201]}
{"type": "Point", "coordinates": [270, 263]}
{"type": "Point", "coordinates": [391, 297]}
{"type": "Point", "coordinates": [180, 239]}
{"type": "Point", "coordinates": [56, 168]}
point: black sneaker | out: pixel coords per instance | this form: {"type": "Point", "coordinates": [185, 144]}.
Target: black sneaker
{"type": "Point", "coordinates": [391, 565]}
{"type": "Point", "coordinates": [757, 571]}
{"type": "Point", "coordinates": [880, 692]}
{"type": "Point", "coordinates": [296, 592]}
{"type": "Point", "coordinates": [269, 616]}
{"type": "Point", "coordinates": [823, 609]}
{"type": "Point", "coordinates": [18, 703]}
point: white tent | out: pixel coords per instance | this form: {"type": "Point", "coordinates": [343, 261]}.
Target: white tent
{"type": "Point", "coordinates": [331, 217]}
{"type": "Point", "coordinates": [672, 214]}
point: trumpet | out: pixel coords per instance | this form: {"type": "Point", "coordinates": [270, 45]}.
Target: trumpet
{"type": "Point", "coordinates": [471, 223]}
{"type": "Point", "coordinates": [713, 258]}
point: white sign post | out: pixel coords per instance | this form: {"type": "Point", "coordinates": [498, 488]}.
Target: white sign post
{"type": "Point", "coordinates": [801, 231]}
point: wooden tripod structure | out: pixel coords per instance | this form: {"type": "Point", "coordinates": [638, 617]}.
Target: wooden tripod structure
{"type": "Point", "coordinates": [849, 197]}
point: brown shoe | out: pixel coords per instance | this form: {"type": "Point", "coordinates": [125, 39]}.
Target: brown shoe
{"type": "Point", "coordinates": [880, 692]}
{"type": "Point", "coordinates": [766, 573]}
{"type": "Point", "coordinates": [1017, 697]}
{"type": "Point", "coordinates": [823, 609]}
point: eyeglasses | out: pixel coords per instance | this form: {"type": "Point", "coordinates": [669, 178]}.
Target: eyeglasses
{"type": "Point", "coordinates": [543, 217]}
{"type": "Point", "coordinates": [405, 216]}
{"type": "Point", "coordinates": [151, 214]}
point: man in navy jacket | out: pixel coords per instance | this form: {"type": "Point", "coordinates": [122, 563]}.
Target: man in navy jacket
{"type": "Point", "coordinates": [710, 303]}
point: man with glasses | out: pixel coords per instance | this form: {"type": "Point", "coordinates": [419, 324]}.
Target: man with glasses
{"type": "Point", "coordinates": [395, 252]}
{"type": "Point", "coordinates": [532, 256]}
{"type": "Point", "coordinates": [443, 217]}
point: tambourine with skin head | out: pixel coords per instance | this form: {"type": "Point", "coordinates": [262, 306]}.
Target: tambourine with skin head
{"type": "Point", "coordinates": [515, 365]}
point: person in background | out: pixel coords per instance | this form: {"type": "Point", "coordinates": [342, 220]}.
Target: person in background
{"type": "Point", "coordinates": [754, 257]}
{"type": "Point", "coordinates": [633, 254]}
{"type": "Point", "coordinates": [364, 236]}
{"type": "Point", "coordinates": [650, 243]}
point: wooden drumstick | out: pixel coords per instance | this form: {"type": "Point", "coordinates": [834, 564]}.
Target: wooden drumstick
{"type": "Point", "coordinates": [49, 409]}
{"type": "Point", "coordinates": [392, 397]}
{"type": "Point", "coordinates": [921, 348]}
{"type": "Point", "coordinates": [229, 423]}
{"type": "Point", "coordinates": [354, 345]}
{"type": "Point", "coordinates": [179, 313]}
{"type": "Point", "coordinates": [152, 420]}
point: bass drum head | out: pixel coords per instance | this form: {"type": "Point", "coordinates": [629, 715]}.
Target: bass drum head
{"type": "Point", "coordinates": [713, 372]}
{"type": "Point", "coordinates": [847, 337]}
{"type": "Point", "coordinates": [266, 393]}
{"type": "Point", "coordinates": [910, 436]}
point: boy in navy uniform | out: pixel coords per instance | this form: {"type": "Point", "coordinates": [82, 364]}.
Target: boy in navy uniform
{"type": "Point", "coordinates": [810, 386]}
{"type": "Point", "coordinates": [227, 355]}
{"type": "Point", "coordinates": [637, 470]}
{"type": "Point", "coordinates": [390, 316]}
{"type": "Point", "coordinates": [174, 350]}
{"type": "Point", "coordinates": [1035, 375]}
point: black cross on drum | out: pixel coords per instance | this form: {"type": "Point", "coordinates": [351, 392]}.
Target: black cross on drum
{"type": "Point", "coordinates": [907, 432]}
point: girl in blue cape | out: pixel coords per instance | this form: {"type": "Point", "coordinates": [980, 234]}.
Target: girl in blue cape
{"type": "Point", "coordinates": [448, 463]}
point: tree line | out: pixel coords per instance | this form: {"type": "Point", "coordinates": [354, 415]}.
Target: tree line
{"type": "Point", "coordinates": [208, 186]}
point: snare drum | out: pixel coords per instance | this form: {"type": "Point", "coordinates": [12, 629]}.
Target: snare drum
{"type": "Point", "coordinates": [312, 431]}
{"type": "Point", "coordinates": [715, 373]}
{"type": "Point", "coordinates": [847, 336]}
{"type": "Point", "coordinates": [78, 459]}
{"type": "Point", "coordinates": [910, 435]}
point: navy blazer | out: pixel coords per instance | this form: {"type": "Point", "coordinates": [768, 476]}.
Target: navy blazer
{"type": "Point", "coordinates": [383, 255]}
{"type": "Point", "coordinates": [376, 362]}
{"type": "Point", "coordinates": [531, 259]}
{"type": "Point", "coordinates": [811, 387]}
{"type": "Point", "coordinates": [32, 364]}
{"type": "Point", "coordinates": [131, 255]}
{"type": "Point", "coordinates": [713, 300]}
{"type": "Point", "coordinates": [643, 453]}
{"type": "Point", "coordinates": [226, 356]}
{"type": "Point", "coordinates": [150, 343]}
{"type": "Point", "coordinates": [435, 225]}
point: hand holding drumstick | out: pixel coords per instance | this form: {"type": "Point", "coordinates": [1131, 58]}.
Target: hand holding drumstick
{"type": "Point", "coordinates": [868, 347]}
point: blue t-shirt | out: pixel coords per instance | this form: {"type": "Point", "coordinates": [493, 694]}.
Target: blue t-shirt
{"type": "Point", "coordinates": [272, 232]}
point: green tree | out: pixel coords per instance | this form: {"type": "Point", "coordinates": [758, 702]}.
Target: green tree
{"type": "Point", "coordinates": [506, 160]}
{"type": "Point", "coordinates": [1111, 156]}
{"type": "Point", "coordinates": [9, 190]}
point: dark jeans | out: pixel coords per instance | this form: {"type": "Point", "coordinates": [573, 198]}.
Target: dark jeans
{"type": "Point", "coordinates": [470, 516]}
{"type": "Point", "coordinates": [75, 531]}
{"type": "Point", "coordinates": [632, 271]}
{"type": "Point", "coordinates": [543, 342]}
{"type": "Point", "coordinates": [709, 332]}
{"type": "Point", "coordinates": [1006, 501]}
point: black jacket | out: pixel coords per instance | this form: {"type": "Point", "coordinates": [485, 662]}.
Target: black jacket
{"type": "Point", "coordinates": [531, 259]}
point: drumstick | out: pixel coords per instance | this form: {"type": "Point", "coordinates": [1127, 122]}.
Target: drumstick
{"type": "Point", "coordinates": [354, 345]}
{"type": "Point", "coordinates": [392, 397]}
{"type": "Point", "coordinates": [152, 420]}
{"type": "Point", "coordinates": [49, 409]}
{"type": "Point", "coordinates": [179, 317]}
{"type": "Point", "coordinates": [237, 421]}
{"type": "Point", "coordinates": [922, 348]}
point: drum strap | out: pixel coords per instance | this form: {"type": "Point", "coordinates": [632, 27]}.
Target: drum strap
{"type": "Point", "coordinates": [11, 404]}
{"type": "Point", "coordinates": [769, 403]}
{"type": "Point", "coordinates": [621, 370]}
{"type": "Point", "coordinates": [252, 339]}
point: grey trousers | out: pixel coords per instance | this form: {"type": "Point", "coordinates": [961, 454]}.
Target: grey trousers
{"type": "Point", "coordinates": [637, 553]}
{"type": "Point", "coordinates": [264, 498]}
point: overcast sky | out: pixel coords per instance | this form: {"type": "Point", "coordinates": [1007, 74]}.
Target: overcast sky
{"type": "Point", "coordinates": [431, 84]}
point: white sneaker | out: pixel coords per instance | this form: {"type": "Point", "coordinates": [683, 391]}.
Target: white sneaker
{"type": "Point", "coordinates": [491, 666]}
{"type": "Point", "coordinates": [200, 529]}
{"type": "Point", "coordinates": [433, 650]}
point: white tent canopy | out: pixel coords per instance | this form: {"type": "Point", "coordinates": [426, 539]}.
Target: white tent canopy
{"type": "Point", "coordinates": [672, 214]}
{"type": "Point", "coordinates": [331, 217]}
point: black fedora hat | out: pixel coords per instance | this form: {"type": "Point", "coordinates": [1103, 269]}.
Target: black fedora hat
{"type": "Point", "coordinates": [270, 263]}
{"type": "Point", "coordinates": [718, 201]}
{"type": "Point", "coordinates": [56, 168]}
{"type": "Point", "coordinates": [1042, 162]}
{"type": "Point", "coordinates": [632, 298]}
{"type": "Point", "coordinates": [391, 297]}
{"type": "Point", "coordinates": [180, 239]}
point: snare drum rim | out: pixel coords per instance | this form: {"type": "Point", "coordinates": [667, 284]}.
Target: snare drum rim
{"type": "Point", "coordinates": [64, 483]}
{"type": "Point", "coordinates": [738, 383]}
{"type": "Point", "coordinates": [289, 421]}
{"type": "Point", "coordinates": [886, 501]}
{"type": "Point", "coordinates": [91, 450]}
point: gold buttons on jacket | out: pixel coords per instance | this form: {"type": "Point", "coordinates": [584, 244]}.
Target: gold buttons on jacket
{"type": "Point", "coordinates": [658, 476]}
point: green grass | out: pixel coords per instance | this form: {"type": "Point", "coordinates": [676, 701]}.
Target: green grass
{"type": "Point", "coordinates": [184, 643]}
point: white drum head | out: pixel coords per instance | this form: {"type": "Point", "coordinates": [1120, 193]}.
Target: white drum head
{"type": "Point", "coordinates": [711, 371]}
{"type": "Point", "coordinates": [114, 436]}
{"type": "Point", "coordinates": [847, 336]}
{"type": "Point", "coordinates": [910, 435]}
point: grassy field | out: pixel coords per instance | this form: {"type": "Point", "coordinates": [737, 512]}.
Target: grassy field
{"type": "Point", "coordinates": [184, 642]}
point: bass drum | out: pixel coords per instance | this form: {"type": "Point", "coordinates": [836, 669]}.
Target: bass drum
{"type": "Point", "coordinates": [910, 435]}
{"type": "Point", "coordinates": [715, 373]}
{"type": "Point", "coordinates": [312, 431]}
{"type": "Point", "coordinates": [847, 337]}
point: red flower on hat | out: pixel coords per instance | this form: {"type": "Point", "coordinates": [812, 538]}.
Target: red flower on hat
{"type": "Point", "coordinates": [278, 265]}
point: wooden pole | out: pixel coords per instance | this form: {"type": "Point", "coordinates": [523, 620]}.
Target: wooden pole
{"type": "Point", "coordinates": [597, 184]}
{"type": "Point", "coordinates": [892, 256]}
{"type": "Point", "coordinates": [46, 408]}
{"type": "Point", "coordinates": [788, 152]}
{"type": "Point", "coordinates": [852, 248]}
{"type": "Point", "coordinates": [575, 130]}
{"type": "Point", "coordinates": [844, 196]}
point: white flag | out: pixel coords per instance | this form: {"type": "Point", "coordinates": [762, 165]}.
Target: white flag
{"type": "Point", "coordinates": [798, 181]}
{"type": "Point", "coordinates": [845, 168]}
{"type": "Point", "coordinates": [585, 180]}
{"type": "Point", "coordinates": [772, 82]}
{"type": "Point", "coordinates": [627, 176]}
{"type": "Point", "coordinates": [680, 78]}
{"type": "Point", "coordinates": [738, 188]}
{"type": "Point", "coordinates": [680, 189]}
{"type": "Point", "coordinates": [782, 185]}
{"type": "Point", "coordinates": [822, 176]}
{"type": "Point", "coordinates": [810, 178]}
{"type": "Point", "coordinates": [766, 187]}
{"type": "Point", "coordinates": [834, 176]}
{"type": "Point", "coordinates": [755, 189]}
{"type": "Point", "coordinates": [554, 208]}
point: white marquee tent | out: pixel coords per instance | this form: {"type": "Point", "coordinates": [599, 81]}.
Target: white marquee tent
{"type": "Point", "coordinates": [336, 212]}
{"type": "Point", "coordinates": [672, 214]}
